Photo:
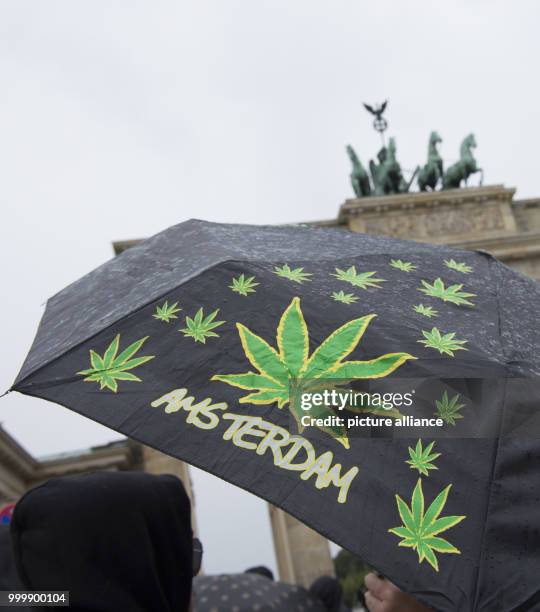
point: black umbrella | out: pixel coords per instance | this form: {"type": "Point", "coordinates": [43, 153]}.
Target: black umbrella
{"type": "Point", "coordinates": [250, 593]}
{"type": "Point", "coordinates": [209, 341]}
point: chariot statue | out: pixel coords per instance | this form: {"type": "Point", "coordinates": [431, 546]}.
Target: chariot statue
{"type": "Point", "coordinates": [386, 173]}
{"type": "Point", "coordinates": [461, 170]}
{"type": "Point", "coordinates": [359, 177]}
{"type": "Point", "coordinates": [432, 172]}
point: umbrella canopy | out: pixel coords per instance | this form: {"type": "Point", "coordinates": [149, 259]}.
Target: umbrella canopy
{"type": "Point", "coordinates": [248, 593]}
{"type": "Point", "coordinates": [205, 340]}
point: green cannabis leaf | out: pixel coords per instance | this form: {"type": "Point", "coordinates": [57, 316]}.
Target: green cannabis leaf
{"type": "Point", "coordinates": [345, 298]}
{"type": "Point", "coordinates": [442, 343]}
{"type": "Point", "coordinates": [458, 266]}
{"type": "Point", "coordinates": [166, 313]}
{"type": "Point", "coordinates": [297, 275]}
{"type": "Point", "coordinates": [280, 372]}
{"type": "Point", "coordinates": [364, 280]}
{"type": "Point", "coordinates": [420, 530]}
{"type": "Point", "coordinates": [427, 311]}
{"type": "Point", "coordinates": [243, 285]}
{"type": "Point", "coordinates": [421, 459]}
{"type": "Point", "coordinates": [110, 368]}
{"type": "Point", "coordinates": [448, 409]}
{"type": "Point", "coordinates": [404, 266]}
{"type": "Point", "coordinates": [451, 294]}
{"type": "Point", "coordinates": [200, 327]}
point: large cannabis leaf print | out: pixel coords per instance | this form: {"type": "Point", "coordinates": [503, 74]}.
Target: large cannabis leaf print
{"type": "Point", "coordinates": [278, 371]}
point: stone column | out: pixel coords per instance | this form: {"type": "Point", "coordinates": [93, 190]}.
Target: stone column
{"type": "Point", "coordinates": [302, 554]}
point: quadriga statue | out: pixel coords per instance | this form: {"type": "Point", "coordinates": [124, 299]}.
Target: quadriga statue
{"type": "Point", "coordinates": [359, 177]}
{"type": "Point", "coordinates": [462, 169]}
{"type": "Point", "coordinates": [430, 174]}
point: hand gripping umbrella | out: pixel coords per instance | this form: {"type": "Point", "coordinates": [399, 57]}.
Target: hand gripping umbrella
{"type": "Point", "coordinates": [222, 344]}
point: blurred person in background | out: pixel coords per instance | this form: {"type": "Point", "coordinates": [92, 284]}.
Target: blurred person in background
{"type": "Point", "coordinates": [261, 570]}
{"type": "Point", "coordinates": [117, 541]}
{"type": "Point", "coordinates": [328, 590]}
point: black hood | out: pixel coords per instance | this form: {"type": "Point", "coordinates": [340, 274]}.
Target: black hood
{"type": "Point", "coordinates": [116, 541]}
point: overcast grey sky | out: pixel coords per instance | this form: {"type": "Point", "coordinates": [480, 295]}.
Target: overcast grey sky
{"type": "Point", "coordinates": [120, 118]}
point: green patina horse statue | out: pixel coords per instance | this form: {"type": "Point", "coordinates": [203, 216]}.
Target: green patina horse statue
{"type": "Point", "coordinates": [387, 175]}
{"type": "Point", "coordinates": [432, 172]}
{"type": "Point", "coordinates": [379, 173]}
{"type": "Point", "coordinates": [461, 170]}
{"type": "Point", "coordinates": [394, 175]}
{"type": "Point", "coordinates": [359, 177]}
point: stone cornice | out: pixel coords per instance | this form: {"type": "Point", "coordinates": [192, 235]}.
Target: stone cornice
{"type": "Point", "coordinates": [119, 456]}
{"type": "Point", "coordinates": [507, 247]}
{"type": "Point", "coordinates": [119, 246]}
{"type": "Point", "coordinates": [435, 216]}
{"type": "Point", "coordinates": [425, 200]}
{"type": "Point", "coordinates": [527, 203]}
{"type": "Point", "coordinates": [15, 456]}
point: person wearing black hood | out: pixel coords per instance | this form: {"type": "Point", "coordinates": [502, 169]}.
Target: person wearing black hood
{"type": "Point", "coordinates": [328, 590]}
{"type": "Point", "coordinates": [117, 541]}
{"type": "Point", "coordinates": [9, 581]}
{"type": "Point", "coordinates": [261, 570]}
{"type": "Point", "coordinates": [8, 576]}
